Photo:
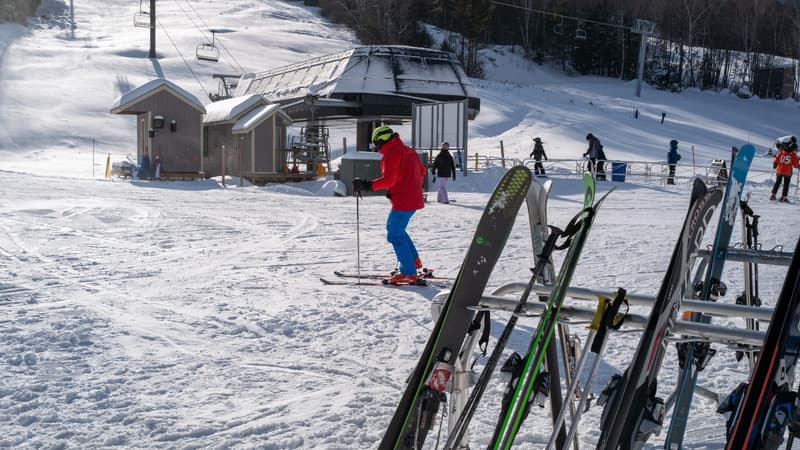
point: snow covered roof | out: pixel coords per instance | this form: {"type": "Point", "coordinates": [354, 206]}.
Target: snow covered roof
{"type": "Point", "coordinates": [151, 87]}
{"type": "Point", "coordinates": [232, 108]}
{"type": "Point", "coordinates": [399, 71]}
{"type": "Point", "coordinates": [257, 116]}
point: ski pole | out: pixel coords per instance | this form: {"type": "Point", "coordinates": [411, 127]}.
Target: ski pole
{"type": "Point", "coordinates": [604, 317]}
{"type": "Point", "coordinates": [358, 239]}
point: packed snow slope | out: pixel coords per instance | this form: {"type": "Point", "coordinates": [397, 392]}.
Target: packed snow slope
{"type": "Point", "coordinates": [148, 314]}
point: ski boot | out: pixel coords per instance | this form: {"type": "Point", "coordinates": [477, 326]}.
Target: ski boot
{"type": "Point", "coordinates": [400, 279]}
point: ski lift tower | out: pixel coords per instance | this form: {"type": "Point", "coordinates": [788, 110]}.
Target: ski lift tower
{"type": "Point", "coordinates": [645, 28]}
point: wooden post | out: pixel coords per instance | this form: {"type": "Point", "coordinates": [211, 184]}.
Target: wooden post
{"type": "Point", "coordinates": [476, 161]}
{"type": "Point", "coordinates": [344, 144]}
{"type": "Point", "coordinates": [502, 154]}
{"type": "Point", "coordinates": [239, 155]}
{"type": "Point", "coordinates": [222, 152]}
{"type": "Point", "coordinates": [693, 163]}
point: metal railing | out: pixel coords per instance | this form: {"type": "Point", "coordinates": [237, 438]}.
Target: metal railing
{"type": "Point", "coordinates": [645, 172]}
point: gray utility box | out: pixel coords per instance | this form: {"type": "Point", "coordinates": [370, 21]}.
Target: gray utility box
{"type": "Point", "coordinates": [367, 166]}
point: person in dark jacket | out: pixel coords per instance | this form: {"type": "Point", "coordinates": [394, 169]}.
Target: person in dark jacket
{"type": "Point", "coordinates": [443, 167]}
{"type": "Point", "coordinates": [672, 159]}
{"type": "Point", "coordinates": [537, 154]}
{"type": "Point", "coordinates": [401, 175]}
{"type": "Point", "coordinates": [601, 160]}
{"type": "Point", "coordinates": [592, 151]}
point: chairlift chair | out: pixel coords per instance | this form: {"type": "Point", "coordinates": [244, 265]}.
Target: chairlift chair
{"type": "Point", "coordinates": [208, 51]}
{"type": "Point", "coordinates": [580, 33]}
{"type": "Point", "coordinates": [559, 27]}
{"type": "Point", "coordinates": [141, 18]}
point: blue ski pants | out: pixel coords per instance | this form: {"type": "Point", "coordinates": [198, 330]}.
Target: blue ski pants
{"type": "Point", "coordinates": [401, 241]}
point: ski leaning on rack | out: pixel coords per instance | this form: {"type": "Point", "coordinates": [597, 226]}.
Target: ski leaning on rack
{"type": "Point", "coordinates": [693, 356]}
{"type": "Point", "coordinates": [537, 214]}
{"type": "Point", "coordinates": [632, 412]}
{"type": "Point", "coordinates": [543, 260]}
{"type": "Point", "coordinates": [769, 402]}
{"type": "Point", "coordinates": [524, 386]}
{"type": "Point", "coordinates": [420, 401]}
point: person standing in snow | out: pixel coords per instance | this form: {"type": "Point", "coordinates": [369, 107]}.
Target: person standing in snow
{"type": "Point", "coordinates": [444, 167]}
{"type": "Point", "coordinates": [401, 175]}
{"type": "Point", "coordinates": [784, 162]}
{"type": "Point", "coordinates": [592, 152]}
{"type": "Point", "coordinates": [601, 160]}
{"type": "Point", "coordinates": [537, 154]}
{"type": "Point", "coordinates": [672, 159]}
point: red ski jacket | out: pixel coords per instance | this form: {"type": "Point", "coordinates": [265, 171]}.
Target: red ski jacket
{"type": "Point", "coordinates": [401, 176]}
{"type": "Point", "coordinates": [784, 161]}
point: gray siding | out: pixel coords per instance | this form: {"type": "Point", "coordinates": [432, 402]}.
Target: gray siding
{"type": "Point", "coordinates": [265, 147]}
{"type": "Point", "coordinates": [179, 150]}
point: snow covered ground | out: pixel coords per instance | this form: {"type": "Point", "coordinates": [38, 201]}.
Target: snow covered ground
{"type": "Point", "coordinates": [141, 314]}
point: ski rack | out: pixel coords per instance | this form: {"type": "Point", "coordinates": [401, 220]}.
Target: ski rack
{"type": "Point", "coordinates": [769, 257]}
{"type": "Point", "coordinates": [700, 331]}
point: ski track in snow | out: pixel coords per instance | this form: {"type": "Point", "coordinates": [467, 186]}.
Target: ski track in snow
{"type": "Point", "coordinates": [163, 315]}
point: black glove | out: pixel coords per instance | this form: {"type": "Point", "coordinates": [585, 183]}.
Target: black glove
{"type": "Point", "coordinates": [434, 178]}
{"type": "Point", "coordinates": [774, 165]}
{"type": "Point", "coordinates": [360, 185]}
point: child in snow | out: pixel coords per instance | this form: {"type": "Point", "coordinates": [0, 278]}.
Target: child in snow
{"type": "Point", "coordinates": [784, 162]}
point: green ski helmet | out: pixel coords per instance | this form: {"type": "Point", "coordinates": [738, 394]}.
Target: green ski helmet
{"type": "Point", "coordinates": [381, 134]}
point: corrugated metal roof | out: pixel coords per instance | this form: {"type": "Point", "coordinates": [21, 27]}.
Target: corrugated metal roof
{"type": "Point", "coordinates": [374, 69]}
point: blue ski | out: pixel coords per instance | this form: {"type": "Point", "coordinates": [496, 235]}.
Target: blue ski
{"type": "Point", "coordinates": [693, 356]}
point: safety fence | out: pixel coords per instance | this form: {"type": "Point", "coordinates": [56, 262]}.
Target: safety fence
{"type": "Point", "coordinates": [641, 172]}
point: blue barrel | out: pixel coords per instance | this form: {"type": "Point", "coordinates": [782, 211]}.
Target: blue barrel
{"type": "Point", "coordinates": [618, 171]}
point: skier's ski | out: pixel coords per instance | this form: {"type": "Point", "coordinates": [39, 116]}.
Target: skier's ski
{"type": "Point", "coordinates": [769, 402]}
{"type": "Point", "coordinates": [376, 282]}
{"type": "Point", "coordinates": [693, 356]}
{"type": "Point", "coordinates": [380, 276]}
{"type": "Point", "coordinates": [423, 394]}
{"type": "Point", "coordinates": [633, 412]}
{"type": "Point", "coordinates": [522, 388]}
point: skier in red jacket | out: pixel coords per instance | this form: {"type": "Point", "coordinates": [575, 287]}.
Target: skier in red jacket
{"type": "Point", "coordinates": [784, 161]}
{"type": "Point", "coordinates": [401, 175]}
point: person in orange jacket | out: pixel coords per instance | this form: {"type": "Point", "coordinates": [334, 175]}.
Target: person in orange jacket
{"type": "Point", "coordinates": [401, 175]}
{"type": "Point", "coordinates": [784, 162]}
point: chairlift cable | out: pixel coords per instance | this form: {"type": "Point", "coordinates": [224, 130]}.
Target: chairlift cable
{"type": "Point", "coordinates": [235, 64]}
{"type": "Point", "coordinates": [548, 13]}
{"type": "Point", "coordinates": [164, 29]}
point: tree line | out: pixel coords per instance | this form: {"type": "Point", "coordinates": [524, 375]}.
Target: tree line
{"type": "Point", "coordinates": [707, 44]}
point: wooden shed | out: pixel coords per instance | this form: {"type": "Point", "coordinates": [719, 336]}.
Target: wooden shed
{"type": "Point", "coordinates": [246, 136]}
{"type": "Point", "coordinates": [776, 82]}
{"type": "Point", "coordinates": [219, 144]}
{"type": "Point", "coordinates": [169, 124]}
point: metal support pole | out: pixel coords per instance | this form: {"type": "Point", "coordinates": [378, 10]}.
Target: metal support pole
{"type": "Point", "coordinates": [152, 53]}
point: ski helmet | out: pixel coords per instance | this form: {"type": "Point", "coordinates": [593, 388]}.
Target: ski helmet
{"type": "Point", "coordinates": [673, 143]}
{"type": "Point", "coordinates": [381, 134]}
